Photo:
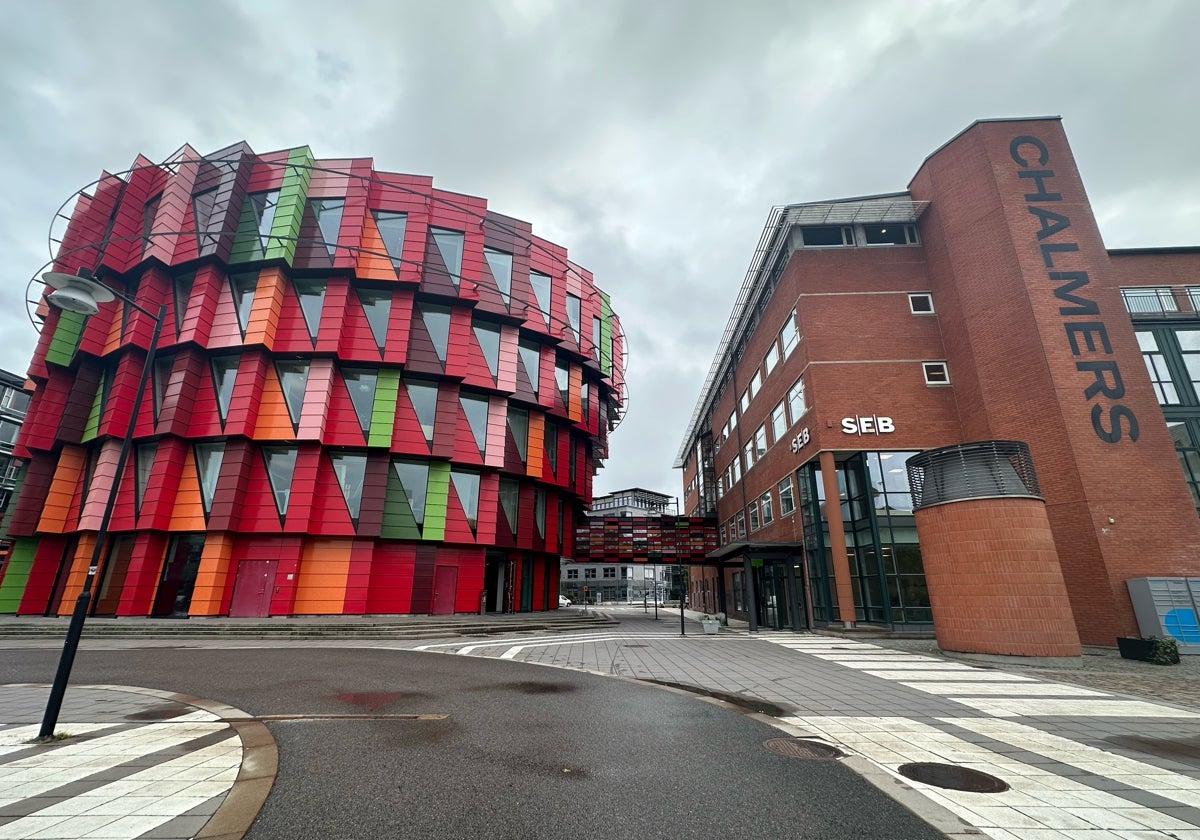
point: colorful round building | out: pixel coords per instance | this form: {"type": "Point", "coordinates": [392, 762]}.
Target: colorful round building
{"type": "Point", "coordinates": [368, 396]}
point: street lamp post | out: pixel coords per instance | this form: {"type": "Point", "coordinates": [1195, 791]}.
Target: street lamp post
{"type": "Point", "coordinates": [82, 294]}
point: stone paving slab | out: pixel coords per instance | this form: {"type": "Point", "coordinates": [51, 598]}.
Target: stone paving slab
{"type": "Point", "coordinates": [127, 763]}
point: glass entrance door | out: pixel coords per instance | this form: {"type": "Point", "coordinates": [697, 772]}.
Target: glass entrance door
{"type": "Point", "coordinates": [174, 595]}
{"type": "Point", "coordinates": [771, 581]}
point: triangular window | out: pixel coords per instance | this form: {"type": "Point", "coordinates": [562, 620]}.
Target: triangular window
{"type": "Point", "coordinates": [293, 379]}
{"type": "Point", "coordinates": [312, 299]}
{"type": "Point", "coordinates": [466, 485]}
{"type": "Point", "coordinates": [181, 289]}
{"type": "Point", "coordinates": [378, 309]}
{"type": "Point", "coordinates": [437, 324]}
{"type": "Point", "coordinates": [423, 396]}
{"type": "Point", "coordinates": [531, 361]}
{"type": "Point", "coordinates": [264, 213]}
{"type": "Point", "coordinates": [414, 479]}
{"type": "Point", "coordinates": [550, 436]}
{"type": "Point", "coordinates": [361, 385]}
{"type": "Point", "coordinates": [596, 336]}
{"type": "Point", "coordinates": [510, 496]}
{"type": "Point", "coordinates": [450, 246]}
{"type": "Point", "coordinates": [501, 265]}
{"type": "Point", "coordinates": [541, 290]}
{"type": "Point", "coordinates": [202, 207]}
{"type": "Point", "coordinates": [476, 410]}
{"type": "Point", "coordinates": [243, 287]}
{"type": "Point", "coordinates": [518, 427]}
{"type": "Point", "coordinates": [281, 466]}
{"type": "Point", "coordinates": [162, 378]}
{"type": "Point", "coordinates": [149, 211]}
{"type": "Point", "coordinates": [488, 336]}
{"type": "Point", "coordinates": [145, 465]}
{"type": "Point", "coordinates": [539, 510]}
{"type": "Point", "coordinates": [224, 374]}
{"type": "Point", "coordinates": [562, 378]}
{"type": "Point", "coordinates": [350, 469]}
{"type": "Point", "coordinates": [208, 469]}
{"type": "Point", "coordinates": [329, 219]}
{"type": "Point", "coordinates": [574, 313]}
{"type": "Point", "coordinates": [391, 231]}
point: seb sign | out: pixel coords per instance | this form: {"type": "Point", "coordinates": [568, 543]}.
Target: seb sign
{"type": "Point", "coordinates": [870, 424]}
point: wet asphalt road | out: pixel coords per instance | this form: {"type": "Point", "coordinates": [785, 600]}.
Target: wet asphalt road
{"type": "Point", "coordinates": [526, 752]}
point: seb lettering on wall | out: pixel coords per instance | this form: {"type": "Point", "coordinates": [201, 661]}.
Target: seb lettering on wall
{"type": "Point", "coordinates": [1088, 338]}
{"type": "Point", "coordinates": [868, 425]}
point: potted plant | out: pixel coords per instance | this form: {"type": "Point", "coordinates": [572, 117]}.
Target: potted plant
{"type": "Point", "coordinates": [710, 623]}
{"type": "Point", "coordinates": [1161, 650]}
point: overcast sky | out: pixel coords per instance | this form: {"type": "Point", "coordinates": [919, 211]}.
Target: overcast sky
{"type": "Point", "coordinates": [649, 137]}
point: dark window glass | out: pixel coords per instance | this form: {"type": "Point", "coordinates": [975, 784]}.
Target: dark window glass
{"type": "Point", "coordinates": [574, 314]}
{"type": "Point", "coordinates": [885, 234]}
{"type": "Point", "coordinates": [202, 207]}
{"type": "Point", "coordinates": [145, 465]}
{"type": "Point", "coordinates": [264, 212]}
{"type": "Point", "coordinates": [510, 493]}
{"type": "Point", "coordinates": [562, 378]}
{"type": "Point", "coordinates": [149, 211]}
{"type": "Point", "coordinates": [921, 303]}
{"type": "Point", "coordinates": [243, 287]}
{"type": "Point", "coordinates": [350, 469]}
{"type": "Point", "coordinates": [501, 265]}
{"type": "Point", "coordinates": [531, 361]}
{"type": "Point", "coordinates": [551, 442]}
{"type": "Point", "coordinates": [208, 469]}
{"type": "Point", "coordinates": [596, 336]}
{"type": "Point", "coordinates": [181, 290]}
{"type": "Point", "coordinates": [162, 378]}
{"type": "Point", "coordinates": [391, 231]}
{"type": "Point", "coordinates": [518, 427]}
{"type": "Point", "coordinates": [822, 235]}
{"type": "Point", "coordinates": [539, 510]}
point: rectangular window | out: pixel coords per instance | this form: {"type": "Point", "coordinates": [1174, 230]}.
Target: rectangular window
{"type": "Point", "coordinates": [1149, 300]}
{"type": "Point", "coordinates": [795, 401]}
{"type": "Point", "coordinates": [754, 523]}
{"type": "Point", "coordinates": [572, 574]}
{"type": "Point", "coordinates": [1156, 365]}
{"type": "Point", "coordinates": [745, 401]}
{"type": "Point", "coordinates": [15, 400]}
{"type": "Point", "coordinates": [748, 451]}
{"type": "Point", "coordinates": [590, 574]}
{"type": "Point", "coordinates": [936, 373]}
{"type": "Point", "coordinates": [787, 504]}
{"type": "Point", "coordinates": [760, 441]}
{"type": "Point", "coordinates": [755, 384]}
{"type": "Point", "coordinates": [778, 422]}
{"type": "Point", "coordinates": [827, 236]}
{"type": "Point", "coordinates": [610, 572]}
{"type": "Point", "coordinates": [741, 525]}
{"type": "Point", "coordinates": [733, 421]}
{"type": "Point", "coordinates": [764, 507]}
{"type": "Point", "coordinates": [920, 303]}
{"type": "Point", "coordinates": [724, 537]}
{"type": "Point", "coordinates": [890, 233]}
{"type": "Point", "coordinates": [771, 359]}
{"type": "Point", "coordinates": [789, 335]}
{"type": "Point", "coordinates": [8, 431]}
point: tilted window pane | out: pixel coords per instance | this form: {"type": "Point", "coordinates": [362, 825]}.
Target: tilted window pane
{"type": "Point", "coordinates": [391, 231]}
{"type": "Point", "coordinates": [293, 379]}
{"type": "Point", "coordinates": [550, 438]}
{"type": "Point", "coordinates": [450, 245]}
{"type": "Point", "coordinates": [351, 470]}
{"type": "Point", "coordinates": [510, 493]}
{"type": "Point", "coordinates": [264, 210]}
{"type": "Point", "coordinates": [466, 485]}
{"type": "Point", "coordinates": [476, 410]}
{"type": "Point", "coordinates": [281, 466]}
{"type": "Point", "coordinates": [539, 510]}
{"type": "Point", "coordinates": [414, 479]}
{"type": "Point", "coordinates": [208, 468]}
{"type": "Point", "coordinates": [162, 378]}
{"type": "Point", "coordinates": [224, 372]}
{"type": "Point", "coordinates": [501, 265]}
{"type": "Point", "coordinates": [437, 323]}
{"type": "Point", "coordinates": [145, 465]}
{"type": "Point", "coordinates": [423, 396]}
{"type": "Point", "coordinates": [541, 290]}
{"type": "Point", "coordinates": [488, 337]}
{"type": "Point", "coordinates": [562, 378]}
{"type": "Point", "coordinates": [795, 398]}
{"type": "Point", "coordinates": [574, 313]}
{"type": "Point", "coordinates": [181, 292]}
{"type": "Point", "coordinates": [378, 309]}
{"type": "Point", "coordinates": [329, 219]}
{"type": "Point", "coordinates": [531, 361]}
{"type": "Point", "coordinates": [243, 287]}
{"type": "Point", "coordinates": [518, 427]}
{"type": "Point", "coordinates": [361, 385]}
{"type": "Point", "coordinates": [312, 299]}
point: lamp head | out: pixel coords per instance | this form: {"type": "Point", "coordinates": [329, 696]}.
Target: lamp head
{"type": "Point", "coordinates": [76, 293]}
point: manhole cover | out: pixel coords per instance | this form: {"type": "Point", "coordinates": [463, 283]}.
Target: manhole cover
{"type": "Point", "coordinates": [800, 748]}
{"type": "Point", "coordinates": [952, 777]}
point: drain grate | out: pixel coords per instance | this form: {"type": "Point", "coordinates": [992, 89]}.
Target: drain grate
{"type": "Point", "coordinates": [952, 777]}
{"type": "Point", "coordinates": [801, 748]}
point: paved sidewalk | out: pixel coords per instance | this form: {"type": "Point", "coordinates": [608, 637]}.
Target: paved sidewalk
{"type": "Point", "coordinates": [1081, 763]}
{"type": "Point", "coordinates": [132, 763]}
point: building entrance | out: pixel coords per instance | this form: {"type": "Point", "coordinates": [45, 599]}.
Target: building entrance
{"type": "Point", "coordinates": [174, 595]}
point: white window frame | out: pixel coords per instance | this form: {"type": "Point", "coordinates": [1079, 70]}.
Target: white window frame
{"type": "Point", "coordinates": [791, 497]}
{"type": "Point", "coordinates": [932, 367]}
{"type": "Point", "coordinates": [771, 359]}
{"type": "Point", "coordinates": [797, 388]}
{"type": "Point", "coordinates": [755, 383]}
{"type": "Point", "coordinates": [790, 330]}
{"type": "Point", "coordinates": [779, 423]}
{"type": "Point", "coordinates": [764, 507]}
{"type": "Point", "coordinates": [760, 441]}
{"type": "Point", "coordinates": [914, 296]}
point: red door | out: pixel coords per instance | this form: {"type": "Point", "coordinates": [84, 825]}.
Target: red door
{"type": "Point", "coordinates": [445, 583]}
{"type": "Point", "coordinates": [252, 589]}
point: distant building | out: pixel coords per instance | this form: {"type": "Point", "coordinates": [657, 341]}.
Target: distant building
{"type": "Point", "coordinates": [631, 546]}
{"type": "Point", "coordinates": [954, 406]}
{"type": "Point", "coordinates": [370, 395]}
{"type": "Point", "coordinates": [14, 402]}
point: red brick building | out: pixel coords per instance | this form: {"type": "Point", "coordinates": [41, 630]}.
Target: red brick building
{"type": "Point", "coordinates": [978, 307]}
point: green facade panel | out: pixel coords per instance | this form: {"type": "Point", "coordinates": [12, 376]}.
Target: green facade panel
{"type": "Point", "coordinates": [247, 247]}
{"type": "Point", "coordinates": [383, 409]}
{"type": "Point", "coordinates": [93, 422]}
{"type": "Point", "coordinates": [437, 497]}
{"type": "Point", "coordinates": [289, 212]}
{"type": "Point", "coordinates": [66, 338]}
{"type": "Point", "coordinates": [606, 315]}
{"type": "Point", "coordinates": [398, 520]}
{"type": "Point", "coordinates": [16, 574]}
